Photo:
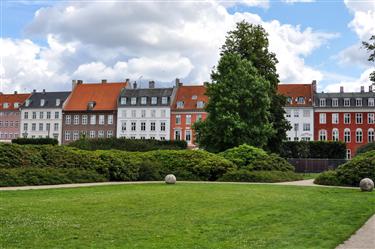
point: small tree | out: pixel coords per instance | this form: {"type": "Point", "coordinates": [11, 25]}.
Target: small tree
{"type": "Point", "coordinates": [238, 110]}
{"type": "Point", "coordinates": [370, 47]}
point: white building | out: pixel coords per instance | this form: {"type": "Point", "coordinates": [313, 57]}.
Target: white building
{"type": "Point", "coordinates": [41, 115]}
{"type": "Point", "coordinates": [144, 113]}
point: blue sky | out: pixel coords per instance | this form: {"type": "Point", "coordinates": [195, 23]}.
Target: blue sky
{"type": "Point", "coordinates": [312, 40]}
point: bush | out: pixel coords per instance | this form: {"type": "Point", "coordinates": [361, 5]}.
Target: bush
{"type": "Point", "coordinates": [252, 158]}
{"type": "Point", "coordinates": [127, 144]}
{"type": "Point", "coordinates": [244, 175]}
{"type": "Point", "coordinates": [35, 141]}
{"type": "Point", "coordinates": [365, 148]}
{"type": "Point", "coordinates": [46, 176]}
{"type": "Point", "coordinates": [313, 149]}
{"type": "Point", "coordinates": [327, 178]}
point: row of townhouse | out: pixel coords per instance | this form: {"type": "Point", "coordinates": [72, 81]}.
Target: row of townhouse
{"type": "Point", "coordinates": [339, 116]}
{"type": "Point", "coordinates": [98, 110]}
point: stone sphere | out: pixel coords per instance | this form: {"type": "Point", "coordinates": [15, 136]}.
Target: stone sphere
{"type": "Point", "coordinates": [366, 184]}
{"type": "Point", "coordinates": [170, 179]}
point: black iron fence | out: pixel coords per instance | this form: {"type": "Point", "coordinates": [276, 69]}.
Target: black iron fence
{"type": "Point", "coordinates": [315, 165]}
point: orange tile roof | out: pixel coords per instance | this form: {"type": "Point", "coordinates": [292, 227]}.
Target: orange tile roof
{"type": "Point", "coordinates": [185, 94]}
{"type": "Point", "coordinates": [11, 99]}
{"type": "Point", "coordinates": [103, 94]}
{"type": "Point", "coordinates": [297, 90]}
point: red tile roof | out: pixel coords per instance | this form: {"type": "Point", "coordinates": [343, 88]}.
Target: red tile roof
{"type": "Point", "coordinates": [186, 93]}
{"type": "Point", "coordinates": [11, 99]}
{"type": "Point", "coordinates": [103, 94]}
{"type": "Point", "coordinates": [297, 90]}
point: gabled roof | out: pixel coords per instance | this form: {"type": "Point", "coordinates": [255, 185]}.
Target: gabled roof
{"type": "Point", "coordinates": [11, 99]}
{"type": "Point", "coordinates": [49, 100]}
{"type": "Point", "coordinates": [294, 91]}
{"type": "Point", "coordinates": [186, 93]}
{"type": "Point", "coordinates": [146, 92]}
{"type": "Point", "coordinates": [103, 95]}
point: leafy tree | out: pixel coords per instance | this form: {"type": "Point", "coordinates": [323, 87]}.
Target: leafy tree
{"type": "Point", "coordinates": [250, 42]}
{"type": "Point", "coordinates": [238, 107]}
{"type": "Point", "coordinates": [370, 47]}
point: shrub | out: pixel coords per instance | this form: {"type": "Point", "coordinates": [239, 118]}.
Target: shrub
{"type": "Point", "coordinates": [35, 141]}
{"type": "Point", "coordinates": [127, 144]}
{"type": "Point", "coordinates": [46, 176]}
{"type": "Point", "coordinates": [244, 175]}
{"type": "Point", "coordinates": [365, 148]}
{"type": "Point", "coordinates": [252, 158]}
{"type": "Point", "coordinates": [313, 149]}
{"type": "Point", "coordinates": [327, 178]}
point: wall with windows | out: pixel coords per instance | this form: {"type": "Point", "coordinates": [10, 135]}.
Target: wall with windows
{"type": "Point", "coordinates": [302, 122]}
{"type": "Point", "coordinates": [9, 125]}
{"type": "Point", "coordinates": [182, 123]}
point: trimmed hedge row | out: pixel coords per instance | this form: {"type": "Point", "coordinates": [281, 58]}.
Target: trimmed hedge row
{"type": "Point", "coordinates": [313, 149]}
{"type": "Point", "coordinates": [128, 144]}
{"type": "Point", "coordinates": [350, 173]}
{"type": "Point", "coordinates": [244, 175]}
{"type": "Point", "coordinates": [38, 141]}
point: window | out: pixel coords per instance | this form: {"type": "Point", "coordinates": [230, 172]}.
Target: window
{"type": "Point", "coordinates": [305, 138]}
{"type": "Point", "coordinates": [199, 117]}
{"type": "Point", "coordinates": [322, 102]}
{"type": "Point", "coordinates": [346, 118]}
{"type": "Point", "coordinates": [109, 134]}
{"type": "Point", "coordinates": [154, 100]}
{"type": "Point", "coordinates": [123, 125]}
{"type": "Point", "coordinates": [180, 104]}
{"type": "Point", "coordinates": [101, 120]}
{"type": "Point", "coordinates": [40, 126]}
{"type": "Point", "coordinates": [143, 137]}
{"type": "Point", "coordinates": [359, 136]}
{"type": "Point", "coordinates": [371, 102]}
{"type": "Point", "coordinates": [26, 115]}
{"type": "Point", "coordinates": [162, 126]}
{"type": "Point", "coordinates": [306, 127]}
{"type": "Point", "coordinates": [123, 101]}
{"type": "Point", "coordinates": [152, 137]}
{"type": "Point", "coordinates": [371, 135]}
{"type": "Point", "coordinates": [34, 115]}
{"type": "Point", "coordinates": [371, 118]}
{"type": "Point", "coordinates": [143, 126]}
{"type": "Point", "coordinates": [84, 119]}
{"type": "Point", "coordinates": [75, 135]}
{"type": "Point", "coordinates": [16, 105]}
{"type": "Point", "coordinates": [335, 118]}
{"type": "Point", "coordinates": [25, 127]}
{"type": "Point", "coordinates": [134, 113]}
{"type": "Point", "coordinates": [41, 115]}
{"type": "Point", "coordinates": [133, 101]}
{"type": "Point", "coordinates": [27, 102]}
{"type": "Point", "coordinates": [48, 127]}
{"type": "Point", "coordinates": [67, 135]}
{"type": "Point", "coordinates": [57, 115]}
{"type": "Point", "coordinates": [300, 100]}
{"type": "Point", "coordinates": [335, 102]}
{"type": "Point", "coordinates": [153, 113]}
{"type": "Point", "coordinates": [42, 102]}
{"type": "Point", "coordinates": [162, 138]}
{"type": "Point", "coordinates": [152, 126]}
{"type": "Point", "coordinates": [188, 119]}
{"type": "Point", "coordinates": [164, 100]}
{"type": "Point", "coordinates": [347, 137]}
{"type": "Point", "coordinates": [93, 119]}
{"type": "Point", "coordinates": [58, 101]}
{"type": "Point", "coordinates": [348, 154]}
{"type": "Point", "coordinates": [123, 113]}
{"type": "Point", "coordinates": [101, 134]}
{"type": "Point", "coordinates": [133, 126]}
{"type": "Point", "coordinates": [178, 119]}
{"type": "Point", "coordinates": [335, 135]}
{"type": "Point", "coordinates": [296, 127]}
{"type": "Point", "coordinates": [188, 136]}
{"type": "Point", "coordinates": [200, 104]}
{"type": "Point", "coordinates": [56, 126]}
{"type": "Point", "coordinates": [92, 134]}
{"type": "Point", "coordinates": [322, 135]}
{"type": "Point", "coordinates": [358, 102]}
{"type": "Point", "coordinates": [67, 119]}
{"type": "Point", "coordinates": [346, 102]}
{"type": "Point", "coordinates": [289, 100]}
{"type": "Point", "coordinates": [322, 118]}
{"type": "Point", "coordinates": [358, 118]}
{"type": "Point", "coordinates": [76, 119]}
{"type": "Point", "coordinates": [177, 135]}
{"type": "Point", "coordinates": [306, 113]}
{"type": "Point", "coordinates": [288, 113]}
{"type": "Point", "coordinates": [296, 113]}
{"type": "Point", "coordinates": [143, 113]}
{"type": "Point", "coordinates": [144, 100]}
{"type": "Point", "coordinates": [110, 119]}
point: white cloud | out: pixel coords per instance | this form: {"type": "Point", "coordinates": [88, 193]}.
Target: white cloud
{"type": "Point", "coordinates": [298, 1]}
{"type": "Point", "coordinates": [352, 85]}
{"type": "Point", "coordinates": [354, 55]}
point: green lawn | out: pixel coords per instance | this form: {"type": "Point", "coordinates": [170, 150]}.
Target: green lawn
{"type": "Point", "coordinates": [182, 216]}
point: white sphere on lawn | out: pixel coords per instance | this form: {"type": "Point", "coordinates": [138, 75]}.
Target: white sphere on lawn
{"type": "Point", "coordinates": [170, 179]}
{"type": "Point", "coordinates": [366, 184]}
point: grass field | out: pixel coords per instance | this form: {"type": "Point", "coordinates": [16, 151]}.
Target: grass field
{"type": "Point", "coordinates": [182, 216]}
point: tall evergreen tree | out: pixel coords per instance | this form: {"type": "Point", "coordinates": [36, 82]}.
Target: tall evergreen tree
{"type": "Point", "coordinates": [250, 42]}
{"type": "Point", "coordinates": [370, 47]}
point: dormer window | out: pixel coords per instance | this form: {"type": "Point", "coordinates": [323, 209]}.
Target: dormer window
{"type": "Point", "coordinates": [301, 100]}
{"type": "Point", "coordinates": [16, 105]}
{"type": "Point", "coordinates": [322, 102]}
{"type": "Point", "coordinates": [154, 100]}
{"type": "Point", "coordinates": [371, 102]}
{"type": "Point", "coordinates": [335, 102]}
{"type": "Point", "coordinates": [58, 102]}
{"type": "Point", "coordinates": [5, 105]}
{"type": "Point", "coordinates": [27, 103]}
{"type": "Point", "coordinates": [194, 97]}
{"type": "Point", "coordinates": [42, 102]}
{"type": "Point", "coordinates": [290, 100]}
{"type": "Point", "coordinates": [164, 100]}
{"type": "Point", "coordinates": [347, 102]}
{"type": "Point", "coordinates": [90, 105]}
{"type": "Point", "coordinates": [133, 100]}
{"type": "Point", "coordinates": [200, 104]}
{"type": "Point", "coordinates": [358, 102]}
{"type": "Point", "coordinates": [123, 101]}
{"type": "Point", "coordinates": [180, 104]}
{"type": "Point", "coordinates": [144, 100]}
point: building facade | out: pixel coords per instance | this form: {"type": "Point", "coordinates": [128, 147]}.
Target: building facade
{"type": "Point", "coordinates": [91, 110]}
{"type": "Point", "coordinates": [347, 117]}
{"type": "Point", "coordinates": [299, 110]}
{"type": "Point", "coordinates": [10, 115]}
{"type": "Point", "coordinates": [144, 113]}
{"type": "Point", "coordinates": [187, 108]}
{"type": "Point", "coordinates": [41, 115]}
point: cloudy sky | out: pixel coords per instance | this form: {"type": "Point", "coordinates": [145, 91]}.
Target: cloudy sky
{"type": "Point", "coordinates": [46, 44]}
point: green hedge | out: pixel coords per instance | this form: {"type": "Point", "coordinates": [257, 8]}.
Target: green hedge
{"type": "Point", "coordinates": [244, 175]}
{"type": "Point", "coordinates": [36, 141]}
{"type": "Point", "coordinates": [127, 144]}
{"type": "Point", "coordinates": [365, 148]}
{"type": "Point", "coordinates": [352, 172]}
{"type": "Point", "coordinates": [313, 149]}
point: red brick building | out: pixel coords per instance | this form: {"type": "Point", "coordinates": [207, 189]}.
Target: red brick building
{"type": "Point", "coordinates": [91, 110]}
{"type": "Point", "coordinates": [347, 117]}
{"type": "Point", "coordinates": [10, 115]}
{"type": "Point", "coordinates": [187, 107]}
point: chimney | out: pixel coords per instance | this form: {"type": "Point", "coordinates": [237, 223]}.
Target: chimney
{"type": "Point", "coordinates": [370, 89]}
{"type": "Point", "coordinates": [15, 92]}
{"type": "Point", "coordinates": [74, 84]}
{"type": "Point", "coordinates": [34, 90]}
{"type": "Point", "coordinates": [177, 82]}
{"type": "Point", "coordinates": [135, 85]}
{"type": "Point", "coordinates": [79, 82]}
{"type": "Point", "coordinates": [151, 84]}
{"type": "Point", "coordinates": [205, 84]}
{"type": "Point", "coordinates": [127, 81]}
{"type": "Point", "coordinates": [341, 89]}
{"type": "Point", "coordinates": [313, 84]}
{"type": "Point", "coordinates": [104, 81]}
{"type": "Point", "coordinates": [362, 89]}
{"type": "Point", "coordinates": [44, 91]}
